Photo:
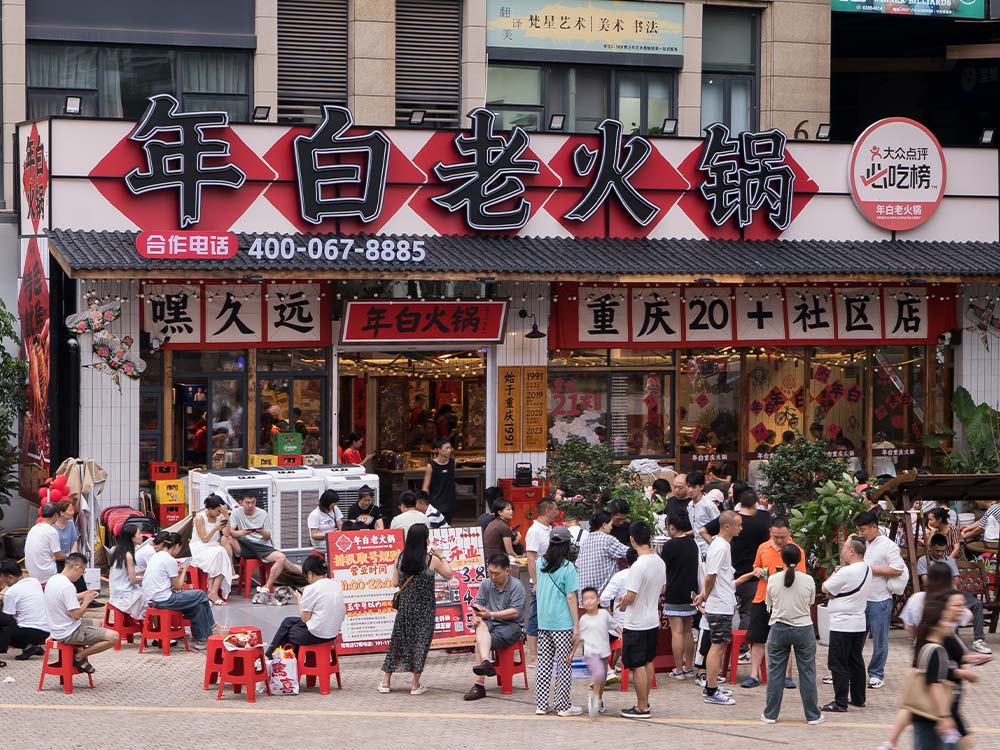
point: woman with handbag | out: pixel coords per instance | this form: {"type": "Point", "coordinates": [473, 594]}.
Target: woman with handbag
{"type": "Point", "coordinates": [558, 625]}
{"type": "Point", "coordinates": [415, 608]}
{"type": "Point", "coordinates": [932, 692]}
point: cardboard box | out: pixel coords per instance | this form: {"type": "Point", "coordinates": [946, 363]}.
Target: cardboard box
{"type": "Point", "coordinates": [171, 513]}
{"type": "Point", "coordinates": [257, 460]}
{"type": "Point", "coordinates": [169, 491]}
{"type": "Point", "coordinates": [290, 460]}
{"type": "Point", "coordinates": [287, 444]}
{"type": "Point", "coordinates": [162, 470]}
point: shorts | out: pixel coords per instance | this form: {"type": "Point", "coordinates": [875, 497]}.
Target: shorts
{"type": "Point", "coordinates": [532, 627]}
{"type": "Point", "coordinates": [639, 647]}
{"type": "Point", "coordinates": [760, 626]}
{"type": "Point", "coordinates": [89, 635]}
{"type": "Point", "coordinates": [679, 610]}
{"type": "Point", "coordinates": [720, 628]}
{"type": "Point", "coordinates": [598, 668]}
{"type": "Point", "coordinates": [503, 633]}
{"type": "Point", "coordinates": [255, 550]}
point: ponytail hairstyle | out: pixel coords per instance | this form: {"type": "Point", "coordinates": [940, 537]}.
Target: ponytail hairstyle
{"type": "Point", "coordinates": [791, 557]}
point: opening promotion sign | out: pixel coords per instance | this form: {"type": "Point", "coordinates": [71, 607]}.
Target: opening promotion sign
{"type": "Point", "coordinates": [945, 8]}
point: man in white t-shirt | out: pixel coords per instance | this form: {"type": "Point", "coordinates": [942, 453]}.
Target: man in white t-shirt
{"type": "Point", "coordinates": [41, 547]}
{"type": "Point", "coordinates": [882, 556]}
{"type": "Point", "coordinates": [536, 544]}
{"type": "Point", "coordinates": [718, 595]}
{"type": "Point", "coordinates": [701, 509]}
{"type": "Point", "coordinates": [321, 609]}
{"type": "Point", "coordinates": [848, 589]}
{"type": "Point", "coordinates": [23, 623]}
{"type": "Point", "coordinates": [647, 579]}
{"type": "Point", "coordinates": [408, 514]}
{"type": "Point", "coordinates": [251, 528]}
{"type": "Point", "coordinates": [65, 609]}
{"type": "Point", "coordinates": [163, 585]}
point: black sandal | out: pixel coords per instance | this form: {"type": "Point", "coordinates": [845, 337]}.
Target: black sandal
{"type": "Point", "coordinates": [85, 667]}
{"type": "Point", "coordinates": [3, 664]}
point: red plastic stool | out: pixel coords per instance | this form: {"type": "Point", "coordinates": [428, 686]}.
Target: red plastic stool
{"type": "Point", "coordinates": [62, 667]}
{"type": "Point", "coordinates": [214, 660]}
{"type": "Point", "coordinates": [196, 578]}
{"type": "Point", "coordinates": [247, 567]}
{"type": "Point", "coordinates": [732, 661]}
{"type": "Point", "coordinates": [124, 624]}
{"type": "Point", "coordinates": [163, 625]}
{"type": "Point", "coordinates": [509, 662]}
{"type": "Point", "coordinates": [244, 666]}
{"type": "Point", "coordinates": [624, 683]}
{"type": "Point", "coordinates": [319, 662]}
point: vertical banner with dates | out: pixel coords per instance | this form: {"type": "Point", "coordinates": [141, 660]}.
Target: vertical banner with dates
{"type": "Point", "coordinates": [362, 561]}
{"type": "Point", "coordinates": [463, 549]}
{"type": "Point", "coordinates": [535, 415]}
{"type": "Point", "coordinates": [509, 388]}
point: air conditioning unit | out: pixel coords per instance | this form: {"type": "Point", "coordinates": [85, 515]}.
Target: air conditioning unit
{"type": "Point", "coordinates": [230, 485]}
{"type": "Point", "coordinates": [295, 495]}
{"type": "Point", "coordinates": [346, 480]}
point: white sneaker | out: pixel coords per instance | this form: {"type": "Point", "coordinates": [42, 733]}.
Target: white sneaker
{"type": "Point", "coordinates": [541, 711]}
{"type": "Point", "coordinates": [571, 711]}
{"type": "Point", "coordinates": [593, 706]}
{"type": "Point", "coordinates": [766, 720]}
{"type": "Point", "coordinates": [720, 699]}
{"type": "Point", "coordinates": [828, 680]}
{"type": "Point", "coordinates": [981, 647]}
{"type": "Point", "coordinates": [744, 658]}
{"type": "Point", "coordinates": [814, 722]}
{"type": "Point", "coordinates": [603, 709]}
{"type": "Point", "coordinates": [876, 683]}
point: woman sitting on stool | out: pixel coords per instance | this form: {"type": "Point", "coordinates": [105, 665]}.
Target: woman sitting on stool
{"type": "Point", "coordinates": [321, 610]}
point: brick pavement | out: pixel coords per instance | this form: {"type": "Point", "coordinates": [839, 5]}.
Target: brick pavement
{"type": "Point", "coordinates": [157, 702]}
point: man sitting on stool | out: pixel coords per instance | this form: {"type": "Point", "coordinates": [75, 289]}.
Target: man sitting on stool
{"type": "Point", "coordinates": [498, 619]}
{"type": "Point", "coordinates": [66, 608]}
{"type": "Point", "coordinates": [251, 527]}
{"type": "Point", "coordinates": [24, 623]}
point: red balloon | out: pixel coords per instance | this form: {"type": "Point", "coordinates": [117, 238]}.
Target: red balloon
{"type": "Point", "coordinates": [43, 494]}
{"type": "Point", "coordinates": [59, 481]}
{"type": "Point", "coordinates": [55, 496]}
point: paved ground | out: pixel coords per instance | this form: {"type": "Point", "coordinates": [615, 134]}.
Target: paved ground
{"type": "Point", "coordinates": [156, 702]}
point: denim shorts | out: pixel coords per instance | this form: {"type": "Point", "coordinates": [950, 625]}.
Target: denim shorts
{"type": "Point", "coordinates": [532, 627]}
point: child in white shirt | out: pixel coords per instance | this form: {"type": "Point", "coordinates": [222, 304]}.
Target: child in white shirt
{"type": "Point", "coordinates": [595, 626]}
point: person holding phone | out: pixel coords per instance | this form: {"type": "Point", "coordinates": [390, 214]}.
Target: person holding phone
{"type": "Point", "coordinates": [498, 619]}
{"type": "Point", "coordinates": [65, 609]}
{"type": "Point", "coordinates": [321, 609]}
{"type": "Point", "coordinates": [211, 527]}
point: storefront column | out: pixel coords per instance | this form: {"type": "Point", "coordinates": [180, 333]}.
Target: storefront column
{"type": "Point", "coordinates": [516, 351]}
{"type": "Point", "coordinates": [109, 418]}
{"type": "Point", "coordinates": [333, 399]}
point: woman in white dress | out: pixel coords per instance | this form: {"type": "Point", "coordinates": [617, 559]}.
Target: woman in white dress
{"type": "Point", "coordinates": [123, 579]}
{"type": "Point", "coordinates": [211, 526]}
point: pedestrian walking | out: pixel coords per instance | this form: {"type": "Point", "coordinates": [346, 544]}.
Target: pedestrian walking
{"type": "Point", "coordinates": [789, 599]}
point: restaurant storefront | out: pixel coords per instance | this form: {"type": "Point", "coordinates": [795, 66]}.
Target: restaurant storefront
{"type": "Point", "coordinates": [682, 300]}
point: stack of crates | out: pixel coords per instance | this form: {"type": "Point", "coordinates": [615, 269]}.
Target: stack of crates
{"type": "Point", "coordinates": [287, 447]}
{"type": "Point", "coordinates": [262, 460]}
{"type": "Point", "coordinates": [171, 504]}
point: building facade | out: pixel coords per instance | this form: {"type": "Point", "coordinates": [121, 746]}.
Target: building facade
{"type": "Point", "coordinates": [614, 221]}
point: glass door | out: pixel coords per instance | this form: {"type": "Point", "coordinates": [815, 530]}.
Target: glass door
{"type": "Point", "coordinates": [292, 404]}
{"type": "Point", "coordinates": [227, 442]}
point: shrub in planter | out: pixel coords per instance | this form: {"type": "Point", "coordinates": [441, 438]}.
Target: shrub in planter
{"type": "Point", "coordinates": [821, 524]}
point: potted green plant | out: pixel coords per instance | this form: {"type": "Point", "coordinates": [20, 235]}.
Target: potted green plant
{"type": "Point", "coordinates": [793, 473]}
{"type": "Point", "coordinates": [979, 452]}
{"type": "Point", "coordinates": [587, 470]}
{"type": "Point", "coordinates": [13, 373]}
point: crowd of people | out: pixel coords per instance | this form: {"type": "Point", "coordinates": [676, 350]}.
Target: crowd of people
{"type": "Point", "coordinates": [605, 592]}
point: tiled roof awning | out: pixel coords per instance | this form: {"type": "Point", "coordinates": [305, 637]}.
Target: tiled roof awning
{"type": "Point", "coordinates": [97, 254]}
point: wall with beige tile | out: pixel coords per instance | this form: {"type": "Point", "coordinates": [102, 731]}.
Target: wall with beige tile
{"type": "Point", "coordinates": [265, 61]}
{"type": "Point", "coordinates": [371, 61]}
{"type": "Point", "coordinates": [14, 97]}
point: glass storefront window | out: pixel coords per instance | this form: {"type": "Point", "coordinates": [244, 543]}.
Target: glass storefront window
{"type": "Point", "coordinates": [775, 397]}
{"type": "Point", "coordinates": [291, 360]}
{"type": "Point", "coordinates": [836, 402]}
{"type": "Point", "coordinates": [897, 409]}
{"type": "Point", "coordinates": [273, 394]}
{"type": "Point", "coordinates": [640, 417]}
{"type": "Point", "coordinates": [708, 395]}
{"type": "Point", "coordinates": [192, 362]}
{"type": "Point", "coordinates": [307, 413]}
{"type": "Point", "coordinates": [228, 423]}
{"type": "Point", "coordinates": [578, 405]}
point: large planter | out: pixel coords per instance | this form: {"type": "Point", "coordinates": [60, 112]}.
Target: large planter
{"type": "Point", "coordinates": [823, 624]}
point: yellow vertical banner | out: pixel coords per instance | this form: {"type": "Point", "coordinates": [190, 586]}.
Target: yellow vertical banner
{"type": "Point", "coordinates": [535, 412]}
{"type": "Point", "coordinates": [510, 386]}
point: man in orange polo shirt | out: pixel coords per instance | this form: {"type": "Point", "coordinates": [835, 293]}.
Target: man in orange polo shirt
{"type": "Point", "coordinates": [765, 564]}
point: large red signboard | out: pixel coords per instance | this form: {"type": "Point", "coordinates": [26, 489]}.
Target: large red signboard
{"type": "Point", "coordinates": [413, 322]}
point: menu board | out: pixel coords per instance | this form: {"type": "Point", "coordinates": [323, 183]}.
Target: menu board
{"type": "Point", "coordinates": [510, 386]}
{"type": "Point", "coordinates": [535, 415]}
{"type": "Point", "coordinates": [362, 561]}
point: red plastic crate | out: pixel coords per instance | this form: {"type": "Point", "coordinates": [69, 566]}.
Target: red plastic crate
{"type": "Point", "coordinates": [295, 460]}
{"type": "Point", "coordinates": [162, 470]}
{"type": "Point", "coordinates": [171, 513]}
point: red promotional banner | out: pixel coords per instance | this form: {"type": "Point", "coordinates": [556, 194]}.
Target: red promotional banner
{"type": "Point", "coordinates": [362, 562]}
{"type": "Point", "coordinates": [409, 322]}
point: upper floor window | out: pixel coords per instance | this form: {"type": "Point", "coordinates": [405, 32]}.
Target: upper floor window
{"type": "Point", "coordinates": [529, 95]}
{"type": "Point", "coordinates": [117, 81]}
{"type": "Point", "coordinates": [730, 67]}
